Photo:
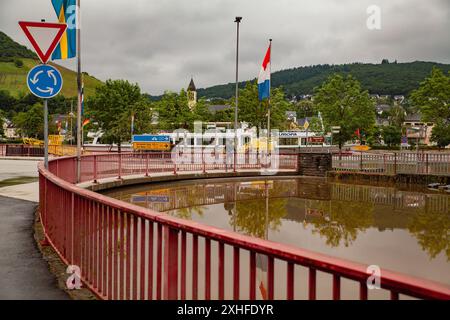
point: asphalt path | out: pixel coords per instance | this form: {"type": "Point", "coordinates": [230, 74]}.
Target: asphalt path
{"type": "Point", "coordinates": [24, 274]}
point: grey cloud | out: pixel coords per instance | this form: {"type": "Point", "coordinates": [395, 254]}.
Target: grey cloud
{"type": "Point", "coordinates": [160, 44]}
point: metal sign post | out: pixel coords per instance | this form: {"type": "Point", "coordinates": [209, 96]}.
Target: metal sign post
{"type": "Point", "coordinates": [45, 134]}
{"type": "Point", "coordinates": [44, 81]}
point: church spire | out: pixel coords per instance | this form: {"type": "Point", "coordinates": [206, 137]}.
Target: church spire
{"type": "Point", "coordinates": [192, 94]}
{"type": "Point", "coordinates": [191, 86]}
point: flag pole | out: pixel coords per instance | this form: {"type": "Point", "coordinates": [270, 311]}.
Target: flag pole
{"type": "Point", "coordinates": [268, 111]}
{"type": "Point", "coordinates": [79, 81]}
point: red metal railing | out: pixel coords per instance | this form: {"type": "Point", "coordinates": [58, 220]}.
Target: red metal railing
{"type": "Point", "coordinates": [393, 163]}
{"type": "Point", "coordinates": [129, 252]}
{"type": "Point", "coordinates": [21, 150]}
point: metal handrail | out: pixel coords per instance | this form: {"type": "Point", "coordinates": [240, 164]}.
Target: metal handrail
{"type": "Point", "coordinates": [172, 231]}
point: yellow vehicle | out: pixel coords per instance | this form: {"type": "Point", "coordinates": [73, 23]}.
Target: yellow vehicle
{"type": "Point", "coordinates": [258, 145]}
{"type": "Point", "coordinates": [360, 148]}
{"type": "Point", "coordinates": [33, 142]}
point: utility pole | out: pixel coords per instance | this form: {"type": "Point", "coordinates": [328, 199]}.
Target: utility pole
{"type": "Point", "coordinates": [238, 21]}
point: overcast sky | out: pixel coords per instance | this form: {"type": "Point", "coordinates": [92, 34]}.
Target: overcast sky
{"type": "Point", "coordinates": [161, 43]}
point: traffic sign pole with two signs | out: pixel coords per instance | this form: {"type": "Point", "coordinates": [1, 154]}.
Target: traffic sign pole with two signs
{"type": "Point", "coordinates": [44, 81]}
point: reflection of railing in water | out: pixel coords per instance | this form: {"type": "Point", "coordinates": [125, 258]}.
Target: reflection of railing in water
{"type": "Point", "coordinates": [109, 240]}
{"type": "Point", "coordinates": [210, 193]}
{"type": "Point", "coordinates": [391, 197]}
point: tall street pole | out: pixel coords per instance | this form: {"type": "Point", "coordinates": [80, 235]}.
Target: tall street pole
{"type": "Point", "coordinates": [79, 84]}
{"type": "Point", "coordinates": [237, 20]}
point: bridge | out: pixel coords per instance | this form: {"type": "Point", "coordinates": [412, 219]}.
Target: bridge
{"type": "Point", "coordinates": [129, 252]}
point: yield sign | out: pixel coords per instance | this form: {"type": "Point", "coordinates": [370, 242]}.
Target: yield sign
{"type": "Point", "coordinates": [44, 36]}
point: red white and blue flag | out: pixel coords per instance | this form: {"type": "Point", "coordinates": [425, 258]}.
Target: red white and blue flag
{"type": "Point", "coordinates": [264, 77]}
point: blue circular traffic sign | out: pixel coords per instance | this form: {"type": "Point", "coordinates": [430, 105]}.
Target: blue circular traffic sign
{"type": "Point", "coordinates": [44, 81]}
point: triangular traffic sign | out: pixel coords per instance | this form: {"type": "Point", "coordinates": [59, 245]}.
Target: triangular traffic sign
{"type": "Point", "coordinates": [43, 36]}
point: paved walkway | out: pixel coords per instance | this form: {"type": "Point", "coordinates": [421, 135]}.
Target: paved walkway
{"type": "Point", "coordinates": [24, 274]}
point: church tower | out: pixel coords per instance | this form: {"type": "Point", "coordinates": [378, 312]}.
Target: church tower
{"type": "Point", "coordinates": [192, 95]}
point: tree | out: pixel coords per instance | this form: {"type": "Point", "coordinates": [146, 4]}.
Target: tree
{"type": "Point", "coordinates": [31, 123]}
{"type": "Point", "coordinates": [225, 115]}
{"type": "Point", "coordinates": [201, 111]}
{"type": "Point", "coordinates": [2, 119]}
{"type": "Point", "coordinates": [112, 106]}
{"type": "Point", "coordinates": [441, 135]}
{"type": "Point", "coordinates": [396, 115]}
{"type": "Point", "coordinates": [6, 101]}
{"type": "Point", "coordinates": [254, 112]}
{"type": "Point", "coordinates": [343, 103]}
{"type": "Point", "coordinates": [304, 108]}
{"type": "Point", "coordinates": [391, 135]}
{"type": "Point", "coordinates": [373, 136]}
{"type": "Point", "coordinates": [173, 111]}
{"type": "Point", "coordinates": [433, 99]}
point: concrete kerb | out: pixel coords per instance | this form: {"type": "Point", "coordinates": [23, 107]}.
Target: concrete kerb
{"type": "Point", "coordinates": [111, 183]}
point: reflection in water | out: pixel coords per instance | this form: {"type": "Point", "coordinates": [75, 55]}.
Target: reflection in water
{"type": "Point", "coordinates": [341, 222]}
{"type": "Point", "coordinates": [363, 223]}
{"type": "Point", "coordinates": [432, 229]}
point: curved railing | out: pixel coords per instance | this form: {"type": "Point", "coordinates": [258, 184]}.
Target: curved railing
{"type": "Point", "coordinates": [129, 252]}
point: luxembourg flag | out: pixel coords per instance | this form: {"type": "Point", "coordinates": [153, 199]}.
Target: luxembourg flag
{"type": "Point", "coordinates": [264, 77]}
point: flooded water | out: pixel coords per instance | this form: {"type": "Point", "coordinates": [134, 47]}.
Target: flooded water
{"type": "Point", "coordinates": [407, 231]}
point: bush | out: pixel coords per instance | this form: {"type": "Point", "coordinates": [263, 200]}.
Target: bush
{"type": "Point", "coordinates": [18, 63]}
{"type": "Point", "coordinates": [6, 59]}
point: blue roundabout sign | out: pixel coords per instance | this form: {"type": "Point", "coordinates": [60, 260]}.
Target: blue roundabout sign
{"type": "Point", "coordinates": [44, 81]}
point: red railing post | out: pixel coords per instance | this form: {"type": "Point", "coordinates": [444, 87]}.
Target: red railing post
{"type": "Point", "coordinates": [120, 166]}
{"type": "Point", "coordinates": [312, 284]}
{"type": "Point", "coordinates": [336, 287]}
{"type": "Point", "coordinates": [222, 271]}
{"type": "Point", "coordinates": [203, 161]}
{"type": "Point", "coordinates": [290, 281]}
{"type": "Point", "coordinates": [95, 169]}
{"type": "Point", "coordinates": [361, 161]}
{"type": "Point", "coordinates": [395, 163]}
{"type": "Point", "coordinates": [236, 272]}
{"type": "Point", "coordinates": [170, 263]}
{"type": "Point", "coordinates": [146, 165]}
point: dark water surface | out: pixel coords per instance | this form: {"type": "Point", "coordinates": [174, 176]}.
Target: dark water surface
{"type": "Point", "coordinates": [402, 230]}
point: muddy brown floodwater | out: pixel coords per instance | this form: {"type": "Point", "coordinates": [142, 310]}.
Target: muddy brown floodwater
{"type": "Point", "coordinates": [402, 229]}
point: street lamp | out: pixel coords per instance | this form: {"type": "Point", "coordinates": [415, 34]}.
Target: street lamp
{"type": "Point", "coordinates": [238, 21]}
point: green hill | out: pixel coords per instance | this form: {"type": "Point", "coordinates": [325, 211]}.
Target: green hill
{"type": "Point", "coordinates": [15, 62]}
{"type": "Point", "coordinates": [385, 78]}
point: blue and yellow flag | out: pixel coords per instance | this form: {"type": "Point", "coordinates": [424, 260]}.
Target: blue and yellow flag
{"type": "Point", "coordinates": [66, 10]}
